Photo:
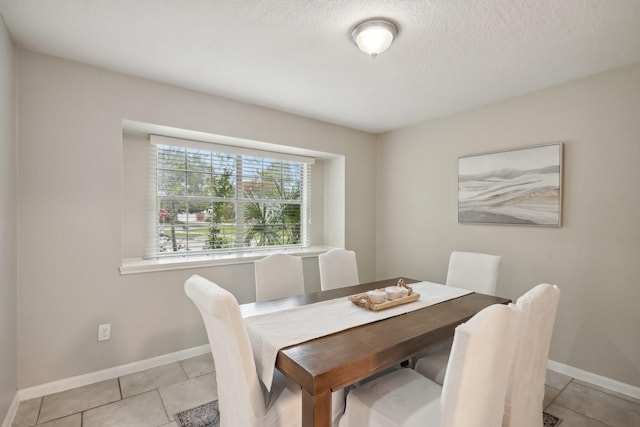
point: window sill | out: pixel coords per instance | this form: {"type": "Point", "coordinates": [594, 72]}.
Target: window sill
{"type": "Point", "coordinates": [140, 265]}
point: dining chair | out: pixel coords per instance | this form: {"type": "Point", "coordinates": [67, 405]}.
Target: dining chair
{"type": "Point", "coordinates": [338, 268]}
{"type": "Point", "coordinates": [474, 271]}
{"type": "Point", "coordinates": [474, 389]}
{"type": "Point", "coordinates": [278, 276]}
{"type": "Point", "coordinates": [467, 270]}
{"type": "Point", "coordinates": [241, 398]}
{"type": "Point", "coordinates": [525, 392]}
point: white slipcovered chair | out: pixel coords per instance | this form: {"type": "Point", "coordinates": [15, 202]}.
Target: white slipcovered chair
{"type": "Point", "coordinates": [242, 399]}
{"type": "Point", "coordinates": [338, 268]}
{"type": "Point", "coordinates": [468, 270]}
{"type": "Point", "coordinates": [474, 389]}
{"type": "Point", "coordinates": [474, 271]}
{"type": "Point", "coordinates": [278, 276]}
{"type": "Point", "coordinates": [525, 393]}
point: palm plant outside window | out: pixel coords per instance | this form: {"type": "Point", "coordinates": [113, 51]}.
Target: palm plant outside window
{"type": "Point", "coordinates": [219, 201]}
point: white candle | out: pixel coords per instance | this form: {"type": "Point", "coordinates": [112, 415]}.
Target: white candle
{"type": "Point", "coordinates": [377, 296]}
{"type": "Point", "coordinates": [393, 292]}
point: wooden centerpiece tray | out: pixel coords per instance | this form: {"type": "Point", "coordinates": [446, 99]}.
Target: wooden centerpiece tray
{"type": "Point", "coordinates": [364, 300]}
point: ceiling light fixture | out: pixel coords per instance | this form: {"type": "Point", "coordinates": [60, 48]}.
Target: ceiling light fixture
{"type": "Point", "coordinates": [374, 36]}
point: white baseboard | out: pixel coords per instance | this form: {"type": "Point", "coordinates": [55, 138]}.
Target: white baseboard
{"type": "Point", "coordinates": [110, 373]}
{"type": "Point", "coordinates": [595, 379]}
{"type": "Point", "coordinates": [11, 414]}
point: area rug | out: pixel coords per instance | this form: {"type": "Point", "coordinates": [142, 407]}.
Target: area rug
{"type": "Point", "coordinates": [550, 420]}
{"type": "Point", "coordinates": [208, 415]}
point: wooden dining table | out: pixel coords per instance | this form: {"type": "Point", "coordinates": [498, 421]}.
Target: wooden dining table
{"type": "Point", "coordinates": [335, 361]}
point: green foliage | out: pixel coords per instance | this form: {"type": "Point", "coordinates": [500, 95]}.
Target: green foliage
{"type": "Point", "coordinates": [220, 212]}
{"type": "Point", "coordinates": [273, 223]}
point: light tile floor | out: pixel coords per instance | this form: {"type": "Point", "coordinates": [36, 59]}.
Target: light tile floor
{"type": "Point", "coordinates": [152, 397]}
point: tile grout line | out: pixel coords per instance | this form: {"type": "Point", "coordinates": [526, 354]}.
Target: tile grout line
{"type": "Point", "coordinates": [561, 391]}
{"type": "Point", "coordinates": [604, 390]}
{"type": "Point", "coordinates": [585, 416]}
{"type": "Point", "coordinates": [164, 406]}
{"type": "Point", "coordinates": [40, 409]}
{"type": "Point", "coordinates": [120, 388]}
{"type": "Point", "coordinates": [183, 369]}
{"type": "Point", "coordinates": [608, 392]}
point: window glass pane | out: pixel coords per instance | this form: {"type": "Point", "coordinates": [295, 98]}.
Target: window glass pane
{"type": "Point", "coordinates": [198, 160]}
{"type": "Point", "coordinates": [199, 184]}
{"type": "Point", "coordinates": [222, 226]}
{"type": "Point", "coordinates": [194, 236]}
{"type": "Point", "coordinates": [272, 179]}
{"type": "Point", "coordinates": [198, 209]}
{"type": "Point", "coordinates": [223, 182]}
{"type": "Point", "coordinates": [171, 183]}
{"type": "Point", "coordinates": [292, 181]}
{"type": "Point", "coordinates": [251, 177]}
{"type": "Point", "coordinates": [223, 162]}
{"type": "Point", "coordinates": [171, 158]}
{"type": "Point", "coordinates": [291, 231]}
{"type": "Point", "coordinates": [269, 224]}
{"type": "Point", "coordinates": [172, 179]}
{"type": "Point", "coordinates": [171, 219]}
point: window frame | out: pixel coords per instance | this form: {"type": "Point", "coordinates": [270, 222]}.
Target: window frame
{"type": "Point", "coordinates": [239, 200]}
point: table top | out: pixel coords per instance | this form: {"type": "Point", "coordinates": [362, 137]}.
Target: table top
{"type": "Point", "coordinates": [340, 359]}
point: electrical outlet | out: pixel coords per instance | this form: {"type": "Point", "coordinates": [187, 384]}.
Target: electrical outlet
{"type": "Point", "coordinates": [104, 332]}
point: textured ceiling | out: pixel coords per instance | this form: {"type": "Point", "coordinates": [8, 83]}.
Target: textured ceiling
{"type": "Point", "coordinates": [297, 55]}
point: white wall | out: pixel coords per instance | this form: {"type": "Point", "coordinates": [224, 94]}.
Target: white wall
{"type": "Point", "coordinates": [8, 223]}
{"type": "Point", "coordinates": [594, 257]}
{"type": "Point", "coordinates": [71, 200]}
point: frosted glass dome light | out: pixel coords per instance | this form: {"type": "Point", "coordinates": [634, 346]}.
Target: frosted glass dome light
{"type": "Point", "coordinates": [374, 36]}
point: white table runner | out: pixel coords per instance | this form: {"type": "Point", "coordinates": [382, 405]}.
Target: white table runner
{"type": "Point", "coordinates": [272, 331]}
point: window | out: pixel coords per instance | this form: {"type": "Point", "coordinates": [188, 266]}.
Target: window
{"type": "Point", "coordinates": [216, 198]}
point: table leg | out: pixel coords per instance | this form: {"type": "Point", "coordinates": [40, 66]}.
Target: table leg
{"type": "Point", "coordinates": [316, 409]}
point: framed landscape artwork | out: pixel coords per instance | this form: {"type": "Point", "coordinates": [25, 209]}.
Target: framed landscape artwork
{"type": "Point", "coordinates": [522, 186]}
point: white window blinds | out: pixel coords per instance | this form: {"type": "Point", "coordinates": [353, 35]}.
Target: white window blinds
{"type": "Point", "coordinates": [218, 198]}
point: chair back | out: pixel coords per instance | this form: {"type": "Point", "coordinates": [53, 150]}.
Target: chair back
{"type": "Point", "coordinates": [525, 395]}
{"type": "Point", "coordinates": [475, 384]}
{"type": "Point", "coordinates": [279, 276]}
{"type": "Point", "coordinates": [473, 271]}
{"type": "Point", "coordinates": [240, 397]}
{"type": "Point", "coordinates": [338, 268]}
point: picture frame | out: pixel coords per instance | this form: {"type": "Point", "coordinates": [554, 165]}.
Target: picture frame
{"type": "Point", "coordinates": [522, 186]}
